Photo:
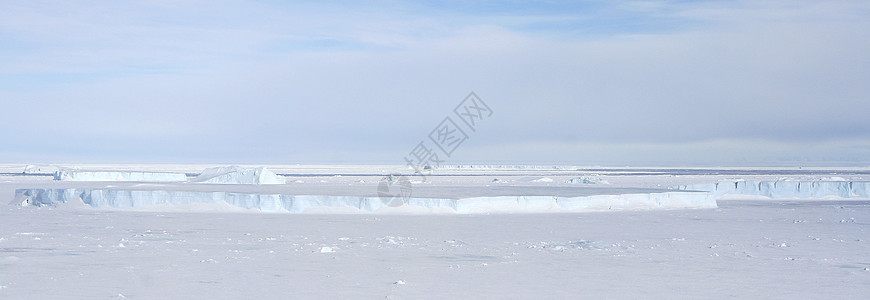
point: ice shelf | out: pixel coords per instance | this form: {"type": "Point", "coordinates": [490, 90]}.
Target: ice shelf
{"type": "Point", "coordinates": [68, 175]}
{"type": "Point", "coordinates": [303, 203]}
{"type": "Point", "coordinates": [785, 189]}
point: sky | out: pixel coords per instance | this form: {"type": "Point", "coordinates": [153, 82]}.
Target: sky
{"type": "Point", "coordinates": [567, 82]}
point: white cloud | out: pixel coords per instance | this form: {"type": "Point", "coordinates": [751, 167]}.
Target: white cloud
{"type": "Point", "coordinates": [787, 73]}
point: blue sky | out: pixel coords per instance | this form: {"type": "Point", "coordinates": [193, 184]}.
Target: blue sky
{"type": "Point", "coordinates": [570, 82]}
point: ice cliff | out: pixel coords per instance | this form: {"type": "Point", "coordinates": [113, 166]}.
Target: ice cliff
{"type": "Point", "coordinates": [785, 189]}
{"type": "Point", "coordinates": [302, 203]}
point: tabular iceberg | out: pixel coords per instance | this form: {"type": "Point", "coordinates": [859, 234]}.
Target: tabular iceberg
{"type": "Point", "coordinates": [785, 189]}
{"type": "Point", "coordinates": [238, 175]}
{"type": "Point", "coordinates": [68, 175]}
{"type": "Point", "coordinates": [302, 203]}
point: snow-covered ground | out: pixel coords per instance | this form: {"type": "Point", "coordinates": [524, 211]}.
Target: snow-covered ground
{"type": "Point", "coordinates": [760, 248]}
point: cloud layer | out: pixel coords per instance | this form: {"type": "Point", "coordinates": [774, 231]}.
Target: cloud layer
{"type": "Point", "coordinates": [243, 81]}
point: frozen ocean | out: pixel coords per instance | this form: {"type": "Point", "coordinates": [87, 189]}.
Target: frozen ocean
{"type": "Point", "coordinates": [176, 231]}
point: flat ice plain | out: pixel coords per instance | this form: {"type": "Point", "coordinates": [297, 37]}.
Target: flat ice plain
{"type": "Point", "coordinates": [758, 240]}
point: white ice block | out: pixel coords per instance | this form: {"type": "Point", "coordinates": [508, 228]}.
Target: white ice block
{"type": "Point", "coordinates": [120, 198]}
{"type": "Point", "coordinates": [785, 189]}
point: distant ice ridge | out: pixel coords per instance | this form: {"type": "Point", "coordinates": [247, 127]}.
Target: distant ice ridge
{"type": "Point", "coordinates": [40, 169]}
{"type": "Point", "coordinates": [506, 167]}
{"type": "Point", "coordinates": [303, 203]}
{"type": "Point", "coordinates": [218, 175]}
{"type": "Point", "coordinates": [71, 175]}
{"type": "Point", "coordinates": [238, 175]}
{"type": "Point", "coordinates": [785, 189]}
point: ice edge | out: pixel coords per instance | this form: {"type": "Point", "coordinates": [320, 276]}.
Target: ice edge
{"type": "Point", "coordinates": [302, 203]}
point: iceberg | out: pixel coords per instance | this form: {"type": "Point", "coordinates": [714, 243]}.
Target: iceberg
{"type": "Point", "coordinates": [593, 179]}
{"type": "Point", "coordinates": [238, 175]}
{"type": "Point", "coordinates": [302, 203]}
{"type": "Point", "coordinates": [785, 189]}
{"type": "Point", "coordinates": [69, 175]}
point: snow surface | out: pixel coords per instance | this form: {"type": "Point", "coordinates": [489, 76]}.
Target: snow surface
{"type": "Point", "coordinates": [743, 249]}
{"type": "Point", "coordinates": [238, 175]}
